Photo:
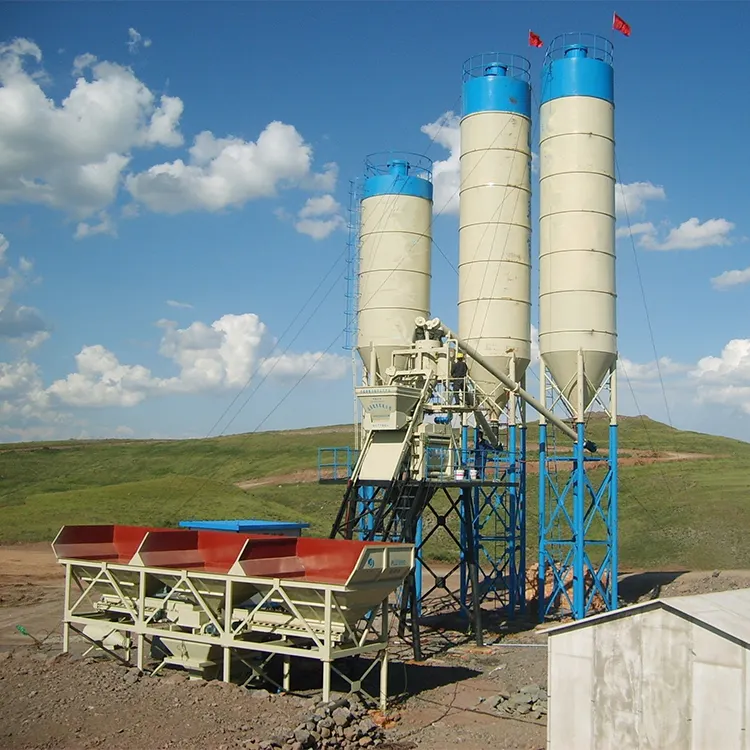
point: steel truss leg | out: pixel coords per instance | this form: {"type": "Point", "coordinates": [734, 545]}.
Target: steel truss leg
{"type": "Point", "coordinates": [578, 529]}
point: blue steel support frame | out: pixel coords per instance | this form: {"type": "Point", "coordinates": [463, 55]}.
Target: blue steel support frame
{"type": "Point", "coordinates": [366, 517]}
{"type": "Point", "coordinates": [578, 532]}
{"type": "Point", "coordinates": [497, 530]}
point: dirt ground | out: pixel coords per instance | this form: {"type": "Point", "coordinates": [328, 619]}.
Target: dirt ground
{"type": "Point", "coordinates": [53, 701]}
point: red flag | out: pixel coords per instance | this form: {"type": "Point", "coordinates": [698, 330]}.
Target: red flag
{"type": "Point", "coordinates": [619, 25]}
{"type": "Point", "coordinates": [535, 40]}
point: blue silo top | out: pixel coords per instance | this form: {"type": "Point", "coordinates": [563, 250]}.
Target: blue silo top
{"type": "Point", "coordinates": [496, 82]}
{"type": "Point", "coordinates": [578, 65]}
{"type": "Point", "coordinates": [398, 177]}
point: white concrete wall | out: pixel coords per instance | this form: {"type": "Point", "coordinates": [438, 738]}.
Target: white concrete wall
{"type": "Point", "coordinates": [648, 681]}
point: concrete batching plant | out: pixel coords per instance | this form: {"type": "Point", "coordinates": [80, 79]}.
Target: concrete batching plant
{"type": "Point", "coordinates": [577, 331]}
{"type": "Point", "coordinates": [432, 455]}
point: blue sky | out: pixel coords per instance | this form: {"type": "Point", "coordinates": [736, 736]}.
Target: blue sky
{"type": "Point", "coordinates": [156, 153]}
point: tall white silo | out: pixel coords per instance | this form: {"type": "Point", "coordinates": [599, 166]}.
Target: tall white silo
{"type": "Point", "coordinates": [494, 272]}
{"type": "Point", "coordinates": [394, 257]}
{"type": "Point", "coordinates": [577, 291]}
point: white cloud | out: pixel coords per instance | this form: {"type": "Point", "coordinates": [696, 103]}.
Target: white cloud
{"type": "Point", "coordinates": [81, 62]}
{"type": "Point", "coordinates": [17, 322]}
{"type": "Point", "coordinates": [319, 217]}
{"type": "Point", "coordinates": [645, 227]}
{"type": "Point", "coordinates": [324, 181]}
{"type": "Point", "coordinates": [228, 172]}
{"type": "Point", "coordinates": [692, 235]}
{"type": "Point", "coordinates": [321, 206]}
{"type": "Point", "coordinates": [71, 156]}
{"type": "Point", "coordinates": [631, 198]}
{"type": "Point", "coordinates": [534, 346]}
{"type": "Point", "coordinates": [182, 305]}
{"type": "Point", "coordinates": [225, 354]}
{"type": "Point", "coordinates": [731, 278]}
{"type": "Point", "coordinates": [105, 226]}
{"type": "Point", "coordinates": [23, 398]}
{"type": "Point", "coordinates": [649, 370]}
{"type": "Point", "coordinates": [102, 381]}
{"type": "Point", "coordinates": [726, 379]}
{"type": "Point", "coordinates": [315, 364]}
{"type": "Point", "coordinates": [446, 174]}
{"type": "Point", "coordinates": [135, 40]}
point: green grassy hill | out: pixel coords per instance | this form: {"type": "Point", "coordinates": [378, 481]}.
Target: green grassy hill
{"type": "Point", "coordinates": [688, 513]}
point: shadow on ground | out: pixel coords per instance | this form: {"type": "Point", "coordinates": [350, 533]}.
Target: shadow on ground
{"type": "Point", "coordinates": [636, 587]}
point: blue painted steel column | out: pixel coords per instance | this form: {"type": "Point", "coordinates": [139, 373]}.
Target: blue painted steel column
{"type": "Point", "coordinates": [579, 536]}
{"type": "Point", "coordinates": [511, 530]}
{"type": "Point", "coordinates": [365, 510]}
{"type": "Point", "coordinates": [464, 532]}
{"type": "Point", "coordinates": [418, 567]}
{"type": "Point", "coordinates": [522, 525]}
{"type": "Point", "coordinates": [612, 519]}
{"type": "Point", "coordinates": [542, 518]}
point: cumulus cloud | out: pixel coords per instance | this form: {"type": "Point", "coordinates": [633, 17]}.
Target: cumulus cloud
{"type": "Point", "coordinates": [225, 354]}
{"type": "Point", "coordinates": [101, 380]}
{"type": "Point", "coordinates": [725, 379]}
{"type": "Point", "coordinates": [692, 235]}
{"type": "Point", "coordinates": [228, 172]}
{"type": "Point", "coordinates": [81, 62]}
{"type": "Point", "coordinates": [731, 278]}
{"type": "Point", "coordinates": [320, 217]}
{"type": "Point", "coordinates": [181, 305]}
{"type": "Point", "coordinates": [135, 39]}
{"type": "Point", "coordinates": [292, 366]}
{"type": "Point", "coordinates": [24, 402]}
{"type": "Point", "coordinates": [105, 225]}
{"type": "Point", "coordinates": [645, 227]}
{"type": "Point", "coordinates": [72, 155]}
{"type": "Point", "coordinates": [17, 322]}
{"type": "Point", "coordinates": [446, 173]}
{"type": "Point", "coordinates": [634, 371]}
{"type": "Point", "coordinates": [631, 198]}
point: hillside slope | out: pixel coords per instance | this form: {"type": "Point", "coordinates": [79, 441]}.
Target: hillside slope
{"type": "Point", "coordinates": [686, 509]}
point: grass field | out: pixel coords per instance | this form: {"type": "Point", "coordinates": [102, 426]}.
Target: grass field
{"type": "Point", "coordinates": [688, 513]}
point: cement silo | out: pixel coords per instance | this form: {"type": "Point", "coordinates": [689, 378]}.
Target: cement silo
{"type": "Point", "coordinates": [494, 298]}
{"type": "Point", "coordinates": [577, 327]}
{"type": "Point", "coordinates": [578, 522]}
{"type": "Point", "coordinates": [394, 256]}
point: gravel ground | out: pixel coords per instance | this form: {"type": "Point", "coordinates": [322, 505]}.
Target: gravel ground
{"type": "Point", "coordinates": [468, 696]}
